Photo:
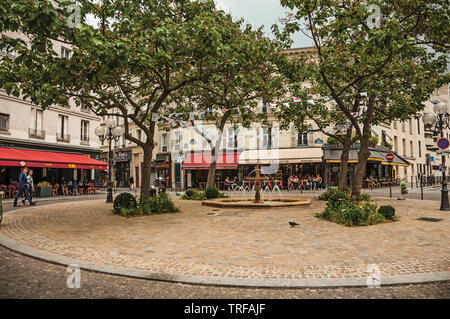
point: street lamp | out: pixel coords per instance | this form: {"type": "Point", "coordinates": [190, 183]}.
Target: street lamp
{"type": "Point", "coordinates": [436, 123]}
{"type": "Point", "coordinates": [109, 132]}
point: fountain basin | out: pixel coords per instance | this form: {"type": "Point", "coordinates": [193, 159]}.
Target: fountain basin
{"type": "Point", "coordinates": [249, 202]}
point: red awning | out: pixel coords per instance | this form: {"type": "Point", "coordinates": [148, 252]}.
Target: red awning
{"type": "Point", "coordinates": [202, 161]}
{"type": "Point", "coordinates": [30, 158]}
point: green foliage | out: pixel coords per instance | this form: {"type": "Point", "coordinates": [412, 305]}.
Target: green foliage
{"type": "Point", "coordinates": [387, 211]}
{"type": "Point", "coordinates": [343, 209]}
{"type": "Point", "coordinates": [332, 140]}
{"type": "Point", "coordinates": [404, 187]}
{"type": "Point", "coordinates": [325, 195]}
{"type": "Point", "coordinates": [380, 72]}
{"type": "Point", "coordinates": [158, 205]}
{"type": "Point", "coordinates": [364, 197]}
{"type": "Point", "coordinates": [373, 140]}
{"type": "Point", "coordinates": [212, 192]}
{"type": "Point", "coordinates": [124, 201]}
{"type": "Point", "coordinates": [192, 194]}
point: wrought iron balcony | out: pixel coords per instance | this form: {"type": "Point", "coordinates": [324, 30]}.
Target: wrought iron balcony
{"type": "Point", "coordinates": [32, 132]}
{"type": "Point", "coordinates": [62, 137]}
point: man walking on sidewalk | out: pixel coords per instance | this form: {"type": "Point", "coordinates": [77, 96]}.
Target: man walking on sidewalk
{"type": "Point", "coordinates": [21, 187]}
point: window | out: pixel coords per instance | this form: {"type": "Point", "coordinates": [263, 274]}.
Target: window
{"type": "Point", "coordinates": [420, 149]}
{"type": "Point", "coordinates": [164, 142]}
{"type": "Point", "coordinates": [139, 135]}
{"type": "Point", "coordinates": [264, 108]}
{"type": "Point", "coordinates": [4, 122]}
{"type": "Point", "coordinates": [62, 128]}
{"type": "Point", "coordinates": [302, 139]}
{"type": "Point", "coordinates": [395, 144]}
{"type": "Point", "coordinates": [37, 119]}
{"type": "Point", "coordinates": [410, 126]}
{"type": "Point", "coordinates": [266, 137]}
{"type": "Point", "coordinates": [123, 140]}
{"type": "Point", "coordinates": [231, 138]}
{"type": "Point", "coordinates": [65, 53]}
{"type": "Point", "coordinates": [411, 149]}
{"type": "Point", "coordinates": [418, 126]}
{"type": "Point", "coordinates": [403, 126]}
{"type": "Point", "coordinates": [177, 140]}
{"type": "Point", "coordinates": [7, 50]}
{"type": "Point", "coordinates": [85, 131]}
{"type": "Point", "coordinates": [404, 146]}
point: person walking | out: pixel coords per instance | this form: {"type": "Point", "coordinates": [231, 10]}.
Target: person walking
{"type": "Point", "coordinates": [30, 185]}
{"type": "Point", "coordinates": [21, 188]}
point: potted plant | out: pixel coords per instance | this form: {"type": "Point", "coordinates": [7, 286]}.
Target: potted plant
{"type": "Point", "coordinates": [403, 189]}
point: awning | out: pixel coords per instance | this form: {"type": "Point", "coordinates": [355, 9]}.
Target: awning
{"type": "Point", "coordinates": [282, 156]}
{"type": "Point", "coordinates": [334, 156]}
{"type": "Point", "coordinates": [196, 161]}
{"type": "Point", "coordinates": [31, 158]}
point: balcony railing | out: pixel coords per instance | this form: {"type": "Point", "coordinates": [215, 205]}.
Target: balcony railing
{"type": "Point", "coordinates": [32, 132]}
{"type": "Point", "coordinates": [62, 137]}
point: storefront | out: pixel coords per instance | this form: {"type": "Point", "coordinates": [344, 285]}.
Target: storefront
{"type": "Point", "coordinates": [196, 167]}
{"type": "Point", "coordinates": [376, 166]}
{"type": "Point", "coordinates": [52, 167]}
{"type": "Point", "coordinates": [282, 163]}
{"type": "Point", "coordinates": [163, 168]}
{"type": "Point", "coordinates": [123, 163]}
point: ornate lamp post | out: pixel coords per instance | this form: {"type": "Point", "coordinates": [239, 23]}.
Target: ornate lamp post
{"type": "Point", "coordinates": [436, 123]}
{"type": "Point", "coordinates": [110, 132]}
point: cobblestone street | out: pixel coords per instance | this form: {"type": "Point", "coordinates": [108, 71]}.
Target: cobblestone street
{"type": "Point", "coordinates": [25, 277]}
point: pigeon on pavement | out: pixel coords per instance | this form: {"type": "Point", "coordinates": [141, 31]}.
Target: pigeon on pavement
{"type": "Point", "coordinates": [293, 224]}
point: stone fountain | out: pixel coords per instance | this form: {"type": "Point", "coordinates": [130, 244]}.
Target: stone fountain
{"type": "Point", "coordinates": [256, 202]}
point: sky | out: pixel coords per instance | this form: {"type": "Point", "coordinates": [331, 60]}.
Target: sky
{"type": "Point", "coordinates": [261, 12]}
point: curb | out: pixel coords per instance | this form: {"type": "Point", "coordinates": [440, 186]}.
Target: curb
{"type": "Point", "coordinates": [217, 281]}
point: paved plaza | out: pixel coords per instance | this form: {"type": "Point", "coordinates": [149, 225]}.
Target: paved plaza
{"type": "Point", "coordinates": [239, 247]}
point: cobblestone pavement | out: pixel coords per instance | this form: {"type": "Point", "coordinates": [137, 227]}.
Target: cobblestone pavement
{"type": "Point", "coordinates": [237, 243]}
{"type": "Point", "coordinates": [25, 277]}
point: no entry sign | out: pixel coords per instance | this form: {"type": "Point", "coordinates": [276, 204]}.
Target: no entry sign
{"type": "Point", "coordinates": [389, 157]}
{"type": "Point", "coordinates": [443, 143]}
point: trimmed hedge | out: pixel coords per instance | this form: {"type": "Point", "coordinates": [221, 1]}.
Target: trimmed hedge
{"type": "Point", "coordinates": [124, 201]}
{"type": "Point", "coordinates": [388, 212]}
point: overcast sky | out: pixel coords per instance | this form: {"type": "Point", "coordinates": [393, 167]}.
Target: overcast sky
{"type": "Point", "coordinates": [261, 12]}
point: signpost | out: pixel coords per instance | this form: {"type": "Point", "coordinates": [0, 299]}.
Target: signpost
{"type": "Point", "coordinates": [443, 143]}
{"type": "Point", "coordinates": [390, 158]}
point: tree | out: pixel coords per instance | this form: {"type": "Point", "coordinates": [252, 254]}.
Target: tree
{"type": "Point", "coordinates": [245, 73]}
{"type": "Point", "coordinates": [388, 56]}
{"type": "Point", "coordinates": [141, 52]}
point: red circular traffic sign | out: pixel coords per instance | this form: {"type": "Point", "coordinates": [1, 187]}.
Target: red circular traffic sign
{"type": "Point", "coordinates": [443, 143]}
{"type": "Point", "coordinates": [390, 157]}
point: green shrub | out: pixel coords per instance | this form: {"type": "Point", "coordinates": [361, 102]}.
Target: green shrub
{"type": "Point", "coordinates": [325, 195]}
{"type": "Point", "coordinates": [212, 192]}
{"type": "Point", "coordinates": [387, 211]}
{"type": "Point", "coordinates": [189, 193]}
{"type": "Point", "coordinates": [343, 209]}
{"type": "Point", "coordinates": [158, 205]}
{"type": "Point", "coordinates": [192, 194]}
{"type": "Point", "coordinates": [124, 200]}
{"type": "Point", "coordinates": [364, 197]}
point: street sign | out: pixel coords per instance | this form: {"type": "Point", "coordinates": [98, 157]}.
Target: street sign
{"type": "Point", "coordinates": [443, 143]}
{"type": "Point", "coordinates": [390, 157]}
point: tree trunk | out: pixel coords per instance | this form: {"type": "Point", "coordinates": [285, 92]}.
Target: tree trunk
{"type": "Point", "coordinates": [344, 160]}
{"type": "Point", "coordinates": [363, 155]}
{"type": "Point", "coordinates": [215, 151]}
{"type": "Point", "coordinates": [364, 151]}
{"type": "Point", "coordinates": [147, 171]}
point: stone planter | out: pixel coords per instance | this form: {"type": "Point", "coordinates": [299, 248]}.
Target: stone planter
{"type": "Point", "coordinates": [45, 192]}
